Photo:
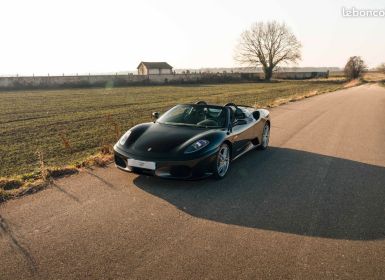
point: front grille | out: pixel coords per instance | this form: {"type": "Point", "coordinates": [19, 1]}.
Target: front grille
{"type": "Point", "coordinates": [142, 171]}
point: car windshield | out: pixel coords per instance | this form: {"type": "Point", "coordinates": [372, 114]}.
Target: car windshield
{"type": "Point", "coordinates": [195, 115]}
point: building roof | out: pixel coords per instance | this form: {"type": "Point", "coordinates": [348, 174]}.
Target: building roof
{"type": "Point", "coordinates": [155, 65]}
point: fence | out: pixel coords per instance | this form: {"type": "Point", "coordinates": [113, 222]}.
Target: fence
{"type": "Point", "coordinates": [38, 82]}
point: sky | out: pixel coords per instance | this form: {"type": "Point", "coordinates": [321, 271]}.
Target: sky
{"type": "Point", "coordinates": [79, 36]}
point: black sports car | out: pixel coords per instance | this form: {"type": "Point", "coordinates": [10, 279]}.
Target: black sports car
{"type": "Point", "coordinates": [193, 140]}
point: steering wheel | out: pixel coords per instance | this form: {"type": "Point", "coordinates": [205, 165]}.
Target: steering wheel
{"type": "Point", "coordinates": [236, 112]}
{"type": "Point", "coordinates": [234, 108]}
{"type": "Point", "coordinates": [201, 103]}
{"type": "Point", "coordinates": [231, 105]}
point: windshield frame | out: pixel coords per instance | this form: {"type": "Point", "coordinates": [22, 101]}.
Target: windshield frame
{"type": "Point", "coordinates": [194, 125]}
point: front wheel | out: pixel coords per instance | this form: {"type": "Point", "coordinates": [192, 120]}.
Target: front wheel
{"type": "Point", "coordinates": [222, 162]}
{"type": "Point", "coordinates": [265, 137]}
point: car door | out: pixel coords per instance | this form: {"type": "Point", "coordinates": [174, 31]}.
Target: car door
{"type": "Point", "coordinates": [258, 125]}
{"type": "Point", "coordinates": [242, 134]}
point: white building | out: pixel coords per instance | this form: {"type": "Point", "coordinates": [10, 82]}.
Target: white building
{"type": "Point", "coordinates": [154, 68]}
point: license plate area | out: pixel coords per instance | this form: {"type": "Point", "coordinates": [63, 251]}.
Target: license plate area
{"type": "Point", "coordinates": [141, 164]}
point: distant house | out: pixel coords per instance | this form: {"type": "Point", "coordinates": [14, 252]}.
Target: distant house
{"type": "Point", "coordinates": [154, 68]}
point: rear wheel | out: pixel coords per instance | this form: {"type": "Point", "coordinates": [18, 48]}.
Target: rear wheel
{"type": "Point", "coordinates": [222, 162]}
{"type": "Point", "coordinates": [265, 137]}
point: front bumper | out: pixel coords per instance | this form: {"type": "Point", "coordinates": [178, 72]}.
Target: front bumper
{"type": "Point", "coordinates": [174, 169]}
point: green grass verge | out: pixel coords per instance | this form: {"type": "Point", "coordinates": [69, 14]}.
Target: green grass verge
{"type": "Point", "coordinates": [69, 125]}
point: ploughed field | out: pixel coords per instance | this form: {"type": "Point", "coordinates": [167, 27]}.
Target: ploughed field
{"type": "Point", "coordinates": [68, 125]}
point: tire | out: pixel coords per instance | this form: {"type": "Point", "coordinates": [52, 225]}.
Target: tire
{"type": "Point", "coordinates": [222, 162]}
{"type": "Point", "coordinates": [265, 137]}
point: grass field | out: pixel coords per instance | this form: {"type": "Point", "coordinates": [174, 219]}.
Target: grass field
{"type": "Point", "coordinates": [370, 76]}
{"type": "Point", "coordinates": [69, 125]}
{"type": "Point", "coordinates": [374, 77]}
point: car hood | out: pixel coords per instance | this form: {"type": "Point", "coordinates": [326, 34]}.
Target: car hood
{"type": "Point", "coordinates": [162, 138]}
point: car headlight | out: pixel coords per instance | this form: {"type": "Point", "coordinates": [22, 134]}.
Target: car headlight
{"type": "Point", "coordinates": [124, 138]}
{"type": "Point", "coordinates": [198, 145]}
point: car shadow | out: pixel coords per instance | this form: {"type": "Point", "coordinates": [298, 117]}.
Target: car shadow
{"type": "Point", "coordinates": [288, 191]}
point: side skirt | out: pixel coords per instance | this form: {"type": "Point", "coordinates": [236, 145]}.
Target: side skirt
{"type": "Point", "coordinates": [249, 148]}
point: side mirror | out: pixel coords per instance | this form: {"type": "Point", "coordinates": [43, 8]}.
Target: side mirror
{"type": "Point", "coordinates": [155, 115]}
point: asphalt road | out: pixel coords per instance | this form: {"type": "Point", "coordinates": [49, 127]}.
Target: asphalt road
{"type": "Point", "coordinates": [312, 206]}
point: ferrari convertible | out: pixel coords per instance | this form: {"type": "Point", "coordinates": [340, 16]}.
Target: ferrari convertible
{"type": "Point", "coordinates": [193, 140]}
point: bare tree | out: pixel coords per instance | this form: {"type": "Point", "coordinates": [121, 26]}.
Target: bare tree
{"type": "Point", "coordinates": [268, 44]}
{"type": "Point", "coordinates": [354, 67]}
